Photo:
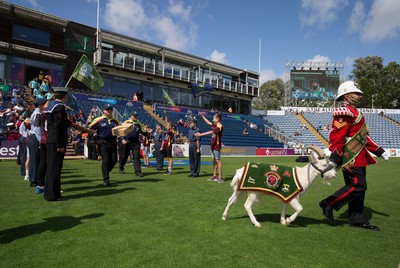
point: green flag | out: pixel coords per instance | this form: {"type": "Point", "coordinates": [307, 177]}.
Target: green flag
{"type": "Point", "coordinates": [87, 74]}
{"type": "Point", "coordinates": [168, 98]}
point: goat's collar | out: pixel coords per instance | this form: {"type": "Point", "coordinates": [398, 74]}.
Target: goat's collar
{"type": "Point", "coordinates": [322, 171]}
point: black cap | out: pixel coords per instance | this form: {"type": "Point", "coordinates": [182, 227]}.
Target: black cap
{"type": "Point", "coordinates": [107, 107]}
{"type": "Point", "coordinates": [134, 113]}
{"type": "Point", "coordinates": [39, 101]}
{"type": "Point", "coordinates": [60, 90]}
{"type": "Point", "coordinates": [193, 119]}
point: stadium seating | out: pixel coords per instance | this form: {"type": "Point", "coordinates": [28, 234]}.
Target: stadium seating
{"type": "Point", "coordinates": [384, 132]}
{"type": "Point", "coordinates": [289, 123]}
{"type": "Point", "coordinates": [232, 135]}
{"type": "Point", "coordinates": [320, 122]}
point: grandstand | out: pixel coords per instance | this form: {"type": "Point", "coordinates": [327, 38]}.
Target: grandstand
{"type": "Point", "coordinates": [383, 131]}
{"type": "Point", "coordinates": [289, 124]}
{"type": "Point", "coordinates": [233, 128]}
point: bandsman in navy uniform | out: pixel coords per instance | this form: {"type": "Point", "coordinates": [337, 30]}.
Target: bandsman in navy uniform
{"type": "Point", "coordinates": [350, 147]}
{"type": "Point", "coordinates": [35, 135]}
{"type": "Point", "coordinates": [57, 138]}
{"type": "Point", "coordinates": [106, 141]}
{"type": "Point", "coordinates": [132, 142]}
{"type": "Point", "coordinates": [194, 149]}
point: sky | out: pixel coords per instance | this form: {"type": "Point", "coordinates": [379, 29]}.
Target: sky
{"type": "Point", "coordinates": [229, 31]}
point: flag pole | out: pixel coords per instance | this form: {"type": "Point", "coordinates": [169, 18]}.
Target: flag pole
{"type": "Point", "coordinates": [69, 80]}
{"type": "Point", "coordinates": [259, 57]}
{"type": "Point", "coordinates": [98, 24]}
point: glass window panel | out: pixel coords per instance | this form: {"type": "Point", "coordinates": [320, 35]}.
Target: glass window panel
{"type": "Point", "coordinates": [31, 35]}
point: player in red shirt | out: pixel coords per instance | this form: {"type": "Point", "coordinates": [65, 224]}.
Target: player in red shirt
{"type": "Point", "coordinates": [216, 143]}
{"type": "Point", "coordinates": [166, 147]}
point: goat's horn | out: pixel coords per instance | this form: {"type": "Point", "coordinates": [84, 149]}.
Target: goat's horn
{"type": "Point", "coordinates": [318, 150]}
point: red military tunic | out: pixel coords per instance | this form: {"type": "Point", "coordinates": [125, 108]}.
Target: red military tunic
{"type": "Point", "coordinates": [347, 121]}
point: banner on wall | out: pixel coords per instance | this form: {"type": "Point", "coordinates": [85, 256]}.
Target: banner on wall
{"type": "Point", "coordinates": [274, 151]}
{"type": "Point", "coordinates": [188, 111]}
{"type": "Point", "coordinates": [9, 149]}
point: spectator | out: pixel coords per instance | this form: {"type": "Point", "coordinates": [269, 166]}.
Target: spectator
{"type": "Point", "coordinates": [253, 126]}
{"type": "Point", "coordinates": [90, 118]}
{"type": "Point", "coordinates": [245, 131]}
{"type": "Point", "coordinates": [40, 77]}
{"type": "Point", "coordinates": [18, 108]}
{"type": "Point", "coordinates": [44, 87]}
{"type": "Point", "coordinates": [95, 111]}
{"type": "Point", "coordinates": [33, 85]}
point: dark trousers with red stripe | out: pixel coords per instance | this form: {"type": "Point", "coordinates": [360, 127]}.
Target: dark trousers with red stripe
{"type": "Point", "coordinates": [353, 194]}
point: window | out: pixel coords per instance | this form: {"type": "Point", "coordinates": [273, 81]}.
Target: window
{"type": "Point", "coordinates": [31, 35]}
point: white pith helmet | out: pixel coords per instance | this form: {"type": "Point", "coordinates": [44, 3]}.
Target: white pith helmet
{"type": "Point", "coordinates": [347, 87]}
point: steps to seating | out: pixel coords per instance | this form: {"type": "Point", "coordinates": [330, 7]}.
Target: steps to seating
{"type": "Point", "coordinates": [312, 129]}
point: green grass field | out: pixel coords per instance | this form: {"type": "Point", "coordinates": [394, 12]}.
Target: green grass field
{"type": "Point", "coordinates": [175, 221]}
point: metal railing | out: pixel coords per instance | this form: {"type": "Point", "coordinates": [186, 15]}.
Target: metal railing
{"type": "Point", "coordinates": [150, 66]}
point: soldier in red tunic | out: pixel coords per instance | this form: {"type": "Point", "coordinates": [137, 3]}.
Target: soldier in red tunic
{"type": "Point", "coordinates": [350, 147]}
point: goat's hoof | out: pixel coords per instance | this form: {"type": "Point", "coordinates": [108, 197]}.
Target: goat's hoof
{"type": "Point", "coordinates": [223, 218]}
{"type": "Point", "coordinates": [257, 224]}
{"type": "Point", "coordinates": [283, 222]}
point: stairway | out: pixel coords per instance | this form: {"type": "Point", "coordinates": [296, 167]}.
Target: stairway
{"type": "Point", "coordinates": [313, 130]}
{"type": "Point", "coordinates": [149, 109]}
{"type": "Point", "coordinates": [70, 150]}
{"type": "Point", "coordinates": [391, 120]}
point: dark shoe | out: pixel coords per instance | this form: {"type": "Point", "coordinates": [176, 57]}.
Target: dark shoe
{"type": "Point", "coordinates": [33, 184]}
{"type": "Point", "coordinates": [121, 170]}
{"type": "Point", "coordinates": [327, 211]}
{"type": "Point", "coordinates": [106, 183]}
{"type": "Point", "coordinates": [195, 175]}
{"type": "Point", "coordinates": [365, 225]}
{"type": "Point", "coordinates": [139, 174]}
{"type": "Point", "coordinates": [190, 175]}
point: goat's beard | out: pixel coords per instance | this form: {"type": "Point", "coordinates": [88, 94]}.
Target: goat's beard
{"type": "Point", "coordinates": [326, 181]}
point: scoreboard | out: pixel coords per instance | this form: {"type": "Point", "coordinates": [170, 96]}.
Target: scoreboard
{"type": "Point", "coordinates": [314, 84]}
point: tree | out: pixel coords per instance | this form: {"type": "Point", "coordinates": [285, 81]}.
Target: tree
{"type": "Point", "coordinates": [366, 73]}
{"type": "Point", "coordinates": [389, 93]}
{"type": "Point", "coordinates": [380, 84]}
{"type": "Point", "coordinates": [271, 95]}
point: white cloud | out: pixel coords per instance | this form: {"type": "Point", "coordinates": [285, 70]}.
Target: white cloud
{"type": "Point", "coordinates": [267, 75]}
{"type": "Point", "coordinates": [357, 17]}
{"type": "Point", "coordinates": [320, 14]}
{"type": "Point", "coordinates": [383, 21]}
{"type": "Point", "coordinates": [319, 58]}
{"type": "Point", "coordinates": [171, 27]}
{"type": "Point", "coordinates": [173, 35]}
{"type": "Point", "coordinates": [125, 16]}
{"type": "Point", "coordinates": [218, 57]}
{"type": "Point", "coordinates": [178, 9]}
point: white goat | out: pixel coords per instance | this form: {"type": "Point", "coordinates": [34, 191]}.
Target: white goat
{"type": "Point", "coordinates": [319, 165]}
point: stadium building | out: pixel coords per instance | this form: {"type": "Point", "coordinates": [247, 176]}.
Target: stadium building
{"type": "Point", "coordinates": [34, 43]}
